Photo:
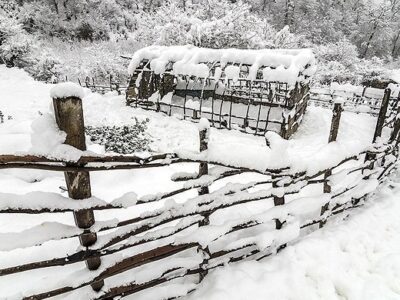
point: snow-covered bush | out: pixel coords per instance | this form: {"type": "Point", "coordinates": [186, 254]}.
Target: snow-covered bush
{"type": "Point", "coordinates": [125, 139]}
{"type": "Point", "coordinates": [232, 25]}
{"type": "Point", "coordinates": [217, 24]}
{"type": "Point", "coordinates": [284, 39]}
{"type": "Point", "coordinates": [342, 52]}
{"type": "Point", "coordinates": [371, 70]}
{"type": "Point", "coordinates": [98, 59]}
{"type": "Point", "coordinates": [345, 68]}
{"type": "Point", "coordinates": [39, 18]}
{"type": "Point", "coordinates": [333, 71]}
{"type": "Point", "coordinates": [336, 62]}
{"type": "Point", "coordinates": [44, 67]}
{"type": "Point", "coordinates": [77, 20]}
{"type": "Point", "coordinates": [15, 45]}
{"type": "Point", "coordinates": [168, 25]}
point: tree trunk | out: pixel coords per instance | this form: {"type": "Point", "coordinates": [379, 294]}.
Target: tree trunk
{"type": "Point", "coordinates": [395, 40]}
{"type": "Point", "coordinates": [289, 13]}
{"type": "Point", "coordinates": [369, 41]}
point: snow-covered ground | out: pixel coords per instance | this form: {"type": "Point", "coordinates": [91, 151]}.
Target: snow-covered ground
{"type": "Point", "coordinates": [355, 259]}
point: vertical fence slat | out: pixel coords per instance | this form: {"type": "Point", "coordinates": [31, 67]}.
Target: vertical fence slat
{"type": "Point", "coordinates": [396, 128]}
{"type": "Point", "coordinates": [333, 133]}
{"type": "Point", "coordinates": [69, 118]}
{"type": "Point", "coordinates": [382, 115]}
{"type": "Point", "coordinates": [203, 167]}
{"type": "Point", "coordinates": [203, 170]}
{"type": "Point", "coordinates": [380, 122]}
{"type": "Point", "coordinates": [278, 200]}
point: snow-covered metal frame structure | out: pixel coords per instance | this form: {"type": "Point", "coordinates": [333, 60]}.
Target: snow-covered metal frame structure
{"type": "Point", "coordinates": [254, 91]}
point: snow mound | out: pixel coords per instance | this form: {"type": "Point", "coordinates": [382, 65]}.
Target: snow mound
{"type": "Point", "coordinates": [48, 140]}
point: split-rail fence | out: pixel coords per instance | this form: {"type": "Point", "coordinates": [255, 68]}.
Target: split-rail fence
{"type": "Point", "coordinates": [180, 240]}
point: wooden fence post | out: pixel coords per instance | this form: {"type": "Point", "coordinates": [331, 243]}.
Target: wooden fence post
{"type": "Point", "coordinates": [396, 127]}
{"type": "Point", "coordinates": [203, 167]}
{"type": "Point", "coordinates": [382, 115]}
{"type": "Point", "coordinates": [278, 200]}
{"type": "Point", "coordinates": [69, 118]}
{"type": "Point", "coordinates": [381, 121]}
{"type": "Point", "coordinates": [333, 133]}
{"type": "Point", "coordinates": [203, 170]}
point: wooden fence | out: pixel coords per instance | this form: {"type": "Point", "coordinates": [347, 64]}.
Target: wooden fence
{"type": "Point", "coordinates": [183, 239]}
{"type": "Point", "coordinates": [363, 99]}
{"type": "Point", "coordinates": [103, 87]}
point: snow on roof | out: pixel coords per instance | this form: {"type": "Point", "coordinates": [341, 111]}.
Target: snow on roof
{"type": "Point", "coordinates": [67, 89]}
{"type": "Point", "coordinates": [283, 65]}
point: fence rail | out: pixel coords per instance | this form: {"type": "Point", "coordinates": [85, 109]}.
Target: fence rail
{"type": "Point", "coordinates": [181, 239]}
{"type": "Point", "coordinates": [359, 100]}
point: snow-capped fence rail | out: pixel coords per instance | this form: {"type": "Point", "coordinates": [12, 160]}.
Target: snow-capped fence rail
{"type": "Point", "coordinates": [159, 246]}
{"type": "Point", "coordinates": [361, 99]}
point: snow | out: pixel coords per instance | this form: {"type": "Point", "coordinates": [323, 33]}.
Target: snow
{"type": "Point", "coordinates": [395, 75]}
{"type": "Point", "coordinates": [67, 89]}
{"type": "Point", "coordinates": [232, 72]}
{"type": "Point", "coordinates": [395, 88]}
{"type": "Point", "coordinates": [354, 259]}
{"type": "Point", "coordinates": [203, 124]}
{"type": "Point", "coordinates": [283, 65]}
{"type": "Point", "coordinates": [48, 140]}
{"type": "Point", "coordinates": [307, 150]}
{"type": "Point", "coordinates": [192, 104]}
{"type": "Point", "coordinates": [127, 200]}
{"type": "Point", "coordinates": [37, 235]}
{"type": "Point", "coordinates": [167, 98]}
{"type": "Point", "coordinates": [41, 200]}
{"type": "Point", "coordinates": [155, 97]}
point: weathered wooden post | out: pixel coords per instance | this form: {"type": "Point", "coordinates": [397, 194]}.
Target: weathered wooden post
{"type": "Point", "coordinates": [87, 81]}
{"type": "Point", "coordinates": [204, 128]}
{"type": "Point", "coordinates": [203, 167]}
{"type": "Point", "coordinates": [396, 127]}
{"type": "Point", "coordinates": [333, 133]}
{"type": "Point", "coordinates": [279, 198]}
{"type": "Point", "coordinates": [380, 122]}
{"type": "Point", "coordinates": [382, 115]}
{"type": "Point", "coordinates": [68, 110]}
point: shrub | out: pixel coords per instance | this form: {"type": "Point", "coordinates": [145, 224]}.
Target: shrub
{"type": "Point", "coordinates": [125, 139]}
{"type": "Point", "coordinates": [217, 24]}
{"type": "Point", "coordinates": [45, 68]}
{"type": "Point", "coordinates": [342, 52]}
{"type": "Point", "coordinates": [99, 59]}
{"type": "Point", "coordinates": [15, 45]}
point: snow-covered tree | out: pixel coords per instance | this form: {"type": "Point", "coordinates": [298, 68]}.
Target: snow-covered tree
{"type": "Point", "coordinates": [15, 45]}
{"type": "Point", "coordinates": [218, 24]}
